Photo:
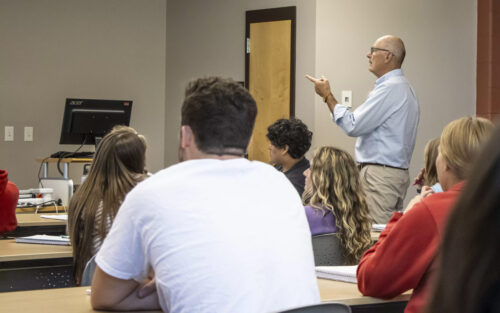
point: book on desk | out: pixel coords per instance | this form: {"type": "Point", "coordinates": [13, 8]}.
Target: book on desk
{"type": "Point", "coordinates": [341, 273]}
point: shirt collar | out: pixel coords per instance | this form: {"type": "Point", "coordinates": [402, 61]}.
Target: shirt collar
{"type": "Point", "coordinates": [386, 76]}
{"type": "Point", "coordinates": [302, 163]}
{"type": "Point", "coordinates": [458, 186]}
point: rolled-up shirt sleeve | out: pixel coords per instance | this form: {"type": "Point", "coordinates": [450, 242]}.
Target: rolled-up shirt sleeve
{"type": "Point", "coordinates": [368, 116]}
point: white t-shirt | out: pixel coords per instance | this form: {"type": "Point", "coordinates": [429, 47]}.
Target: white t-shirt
{"type": "Point", "coordinates": [221, 236]}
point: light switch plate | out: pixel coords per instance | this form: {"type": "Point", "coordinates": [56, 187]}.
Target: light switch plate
{"type": "Point", "coordinates": [9, 133]}
{"type": "Point", "coordinates": [28, 133]}
{"type": "Point", "coordinates": [347, 98]}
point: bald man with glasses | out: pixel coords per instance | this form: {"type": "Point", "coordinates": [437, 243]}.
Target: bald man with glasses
{"type": "Point", "coordinates": [386, 127]}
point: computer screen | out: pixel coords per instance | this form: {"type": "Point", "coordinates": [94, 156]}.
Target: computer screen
{"type": "Point", "coordinates": [88, 120]}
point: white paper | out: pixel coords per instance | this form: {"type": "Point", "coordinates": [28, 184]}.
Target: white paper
{"type": "Point", "coordinates": [378, 227]}
{"type": "Point", "coordinates": [62, 217]}
{"type": "Point", "coordinates": [340, 273]}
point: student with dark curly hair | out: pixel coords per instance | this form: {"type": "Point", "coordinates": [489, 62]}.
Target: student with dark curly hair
{"type": "Point", "coordinates": [290, 140]}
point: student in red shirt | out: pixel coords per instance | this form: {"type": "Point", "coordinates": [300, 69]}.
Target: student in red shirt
{"type": "Point", "coordinates": [469, 271]}
{"type": "Point", "coordinates": [8, 202]}
{"type": "Point", "coordinates": [404, 256]}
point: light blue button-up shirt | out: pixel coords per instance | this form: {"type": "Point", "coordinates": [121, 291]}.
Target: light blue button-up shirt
{"type": "Point", "coordinates": [386, 124]}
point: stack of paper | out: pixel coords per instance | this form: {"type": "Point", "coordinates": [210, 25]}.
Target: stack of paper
{"type": "Point", "coordinates": [62, 217]}
{"type": "Point", "coordinates": [45, 239]}
{"type": "Point", "coordinates": [378, 227]}
{"type": "Point", "coordinates": [340, 273]}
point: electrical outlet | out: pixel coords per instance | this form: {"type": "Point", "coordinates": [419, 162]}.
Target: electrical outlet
{"type": "Point", "coordinates": [9, 133]}
{"type": "Point", "coordinates": [28, 133]}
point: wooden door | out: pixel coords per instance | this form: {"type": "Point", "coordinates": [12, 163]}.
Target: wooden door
{"type": "Point", "coordinates": [270, 71]}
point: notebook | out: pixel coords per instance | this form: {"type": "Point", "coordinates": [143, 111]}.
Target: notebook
{"type": "Point", "coordinates": [62, 217]}
{"type": "Point", "coordinates": [378, 227]}
{"type": "Point", "coordinates": [45, 239]}
{"type": "Point", "coordinates": [341, 273]}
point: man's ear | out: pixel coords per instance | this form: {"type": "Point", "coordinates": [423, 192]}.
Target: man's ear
{"type": "Point", "coordinates": [187, 136]}
{"type": "Point", "coordinates": [388, 57]}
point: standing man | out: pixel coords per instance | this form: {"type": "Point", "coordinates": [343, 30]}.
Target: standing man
{"type": "Point", "coordinates": [221, 233]}
{"type": "Point", "coordinates": [386, 127]}
{"type": "Point", "coordinates": [289, 141]}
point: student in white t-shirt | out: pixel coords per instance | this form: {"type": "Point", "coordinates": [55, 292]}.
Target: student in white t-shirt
{"type": "Point", "coordinates": [221, 233]}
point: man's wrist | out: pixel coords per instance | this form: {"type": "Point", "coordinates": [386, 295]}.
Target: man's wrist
{"type": "Point", "coordinates": [325, 99]}
{"type": "Point", "coordinates": [330, 101]}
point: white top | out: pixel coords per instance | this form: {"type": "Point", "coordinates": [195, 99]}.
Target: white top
{"type": "Point", "coordinates": [96, 237]}
{"type": "Point", "coordinates": [385, 124]}
{"type": "Point", "coordinates": [221, 236]}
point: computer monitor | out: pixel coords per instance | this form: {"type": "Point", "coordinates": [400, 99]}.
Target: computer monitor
{"type": "Point", "coordinates": [86, 121]}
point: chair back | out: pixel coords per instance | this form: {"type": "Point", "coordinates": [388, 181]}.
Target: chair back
{"type": "Point", "coordinates": [322, 308]}
{"type": "Point", "coordinates": [327, 250]}
{"type": "Point", "coordinates": [88, 272]}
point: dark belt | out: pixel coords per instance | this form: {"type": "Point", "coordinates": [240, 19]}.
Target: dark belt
{"type": "Point", "coordinates": [361, 165]}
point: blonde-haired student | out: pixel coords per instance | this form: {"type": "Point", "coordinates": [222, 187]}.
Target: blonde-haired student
{"type": "Point", "coordinates": [335, 202]}
{"type": "Point", "coordinates": [404, 257]}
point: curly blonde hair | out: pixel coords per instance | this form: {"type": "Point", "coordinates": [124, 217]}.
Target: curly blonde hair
{"type": "Point", "coordinates": [336, 186]}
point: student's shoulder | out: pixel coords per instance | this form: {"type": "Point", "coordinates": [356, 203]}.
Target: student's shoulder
{"type": "Point", "coordinates": [266, 171]}
{"type": "Point", "coordinates": [433, 209]}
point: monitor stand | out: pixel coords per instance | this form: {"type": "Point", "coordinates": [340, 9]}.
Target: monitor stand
{"type": "Point", "coordinates": [97, 141]}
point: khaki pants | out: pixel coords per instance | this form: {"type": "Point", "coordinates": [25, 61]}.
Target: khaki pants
{"type": "Point", "coordinates": [385, 189]}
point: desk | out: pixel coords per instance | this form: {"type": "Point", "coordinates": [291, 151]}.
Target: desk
{"type": "Point", "coordinates": [76, 300]}
{"type": "Point", "coordinates": [64, 161]}
{"type": "Point", "coordinates": [12, 251]}
{"type": "Point", "coordinates": [336, 291]}
{"type": "Point", "coordinates": [27, 220]}
{"type": "Point", "coordinates": [33, 266]}
{"type": "Point", "coordinates": [29, 224]}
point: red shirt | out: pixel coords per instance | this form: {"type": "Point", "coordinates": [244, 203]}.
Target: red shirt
{"type": "Point", "coordinates": [8, 202]}
{"type": "Point", "coordinates": [404, 257]}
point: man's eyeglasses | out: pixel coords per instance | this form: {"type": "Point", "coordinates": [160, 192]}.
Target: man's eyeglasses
{"type": "Point", "coordinates": [373, 49]}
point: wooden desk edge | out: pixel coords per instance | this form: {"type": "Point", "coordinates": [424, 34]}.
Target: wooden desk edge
{"type": "Point", "coordinates": [65, 160]}
{"type": "Point", "coordinates": [44, 209]}
{"type": "Point", "coordinates": [50, 222]}
{"type": "Point", "coordinates": [38, 256]}
{"type": "Point", "coordinates": [364, 300]}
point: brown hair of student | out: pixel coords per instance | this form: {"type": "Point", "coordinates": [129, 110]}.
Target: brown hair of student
{"type": "Point", "coordinates": [430, 156]}
{"type": "Point", "coordinates": [117, 167]}
{"type": "Point", "coordinates": [336, 186]}
{"type": "Point", "coordinates": [469, 274]}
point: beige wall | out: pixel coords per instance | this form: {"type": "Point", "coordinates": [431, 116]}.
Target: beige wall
{"type": "Point", "coordinates": [54, 49]}
{"type": "Point", "coordinates": [148, 50]}
{"type": "Point", "coordinates": [207, 38]}
{"type": "Point", "coordinates": [440, 38]}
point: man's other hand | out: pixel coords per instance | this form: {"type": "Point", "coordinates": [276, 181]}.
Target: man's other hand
{"type": "Point", "coordinates": [321, 86]}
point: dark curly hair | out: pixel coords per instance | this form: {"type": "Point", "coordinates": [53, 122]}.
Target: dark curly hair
{"type": "Point", "coordinates": [292, 132]}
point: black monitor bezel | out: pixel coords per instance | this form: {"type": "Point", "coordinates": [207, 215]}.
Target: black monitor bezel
{"type": "Point", "coordinates": [69, 138]}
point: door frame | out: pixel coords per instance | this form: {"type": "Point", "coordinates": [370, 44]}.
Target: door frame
{"type": "Point", "coordinates": [271, 15]}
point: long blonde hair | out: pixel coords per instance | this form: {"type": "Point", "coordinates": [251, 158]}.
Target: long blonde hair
{"type": "Point", "coordinates": [335, 186]}
{"type": "Point", "coordinates": [117, 167]}
{"type": "Point", "coordinates": [430, 155]}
